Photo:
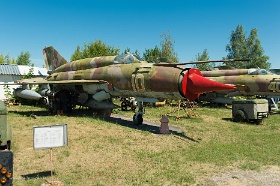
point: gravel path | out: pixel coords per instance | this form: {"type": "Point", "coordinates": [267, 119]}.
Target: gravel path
{"type": "Point", "coordinates": [268, 176]}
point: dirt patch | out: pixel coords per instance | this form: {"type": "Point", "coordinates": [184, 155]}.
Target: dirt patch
{"type": "Point", "coordinates": [268, 176]}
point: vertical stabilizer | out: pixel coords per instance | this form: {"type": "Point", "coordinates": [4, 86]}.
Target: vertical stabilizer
{"type": "Point", "coordinates": [52, 58]}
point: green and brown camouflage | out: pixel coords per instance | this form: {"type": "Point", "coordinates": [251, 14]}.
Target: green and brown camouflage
{"type": "Point", "coordinates": [218, 73]}
{"type": "Point", "coordinates": [92, 82]}
{"type": "Point", "coordinates": [125, 74]}
{"type": "Point", "coordinates": [249, 82]}
{"type": "Point", "coordinates": [56, 63]}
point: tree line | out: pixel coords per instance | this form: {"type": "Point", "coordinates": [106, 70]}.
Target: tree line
{"type": "Point", "coordinates": [240, 47]}
{"type": "Point", "coordinates": [22, 59]}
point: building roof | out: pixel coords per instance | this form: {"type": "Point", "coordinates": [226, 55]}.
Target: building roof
{"type": "Point", "coordinates": [7, 69]}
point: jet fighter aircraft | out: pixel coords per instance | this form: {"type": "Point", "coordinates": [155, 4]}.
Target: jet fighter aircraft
{"type": "Point", "coordinates": [248, 82]}
{"type": "Point", "coordinates": [92, 82]}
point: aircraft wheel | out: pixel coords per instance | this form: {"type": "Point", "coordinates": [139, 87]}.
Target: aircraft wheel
{"type": "Point", "coordinates": [239, 116]}
{"type": "Point", "coordinates": [124, 106]}
{"type": "Point", "coordinates": [138, 119]}
{"type": "Point", "coordinates": [105, 113]}
{"type": "Point", "coordinates": [133, 107]}
{"type": "Point", "coordinates": [43, 101]}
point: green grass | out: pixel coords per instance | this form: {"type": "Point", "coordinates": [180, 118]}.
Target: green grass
{"type": "Point", "coordinates": [105, 153]}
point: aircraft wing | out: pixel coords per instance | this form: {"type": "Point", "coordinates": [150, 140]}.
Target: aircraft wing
{"type": "Point", "coordinates": [62, 82]}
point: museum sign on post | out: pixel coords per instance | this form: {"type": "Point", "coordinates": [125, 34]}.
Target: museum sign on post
{"type": "Point", "coordinates": [50, 136]}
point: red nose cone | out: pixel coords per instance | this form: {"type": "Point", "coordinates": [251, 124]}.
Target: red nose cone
{"type": "Point", "coordinates": [194, 84]}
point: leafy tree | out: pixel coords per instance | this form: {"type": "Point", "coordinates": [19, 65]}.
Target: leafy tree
{"type": "Point", "coordinates": [167, 49]}
{"type": "Point", "coordinates": [204, 57]}
{"type": "Point", "coordinates": [94, 49]}
{"type": "Point", "coordinates": [165, 54]}
{"type": "Point", "coordinates": [12, 61]}
{"type": "Point", "coordinates": [24, 59]}
{"type": "Point", "coordinates": [78, 54]}
{"type": "Point", "coordinates": [29, 75]}
{"type": "Point", "coordinates": [8, 94]}
{"type": "Point", "coordinates": [137, 53]}
{"type": "Point", "coordinates": [4, 59]}
{"type": "Point", "coordinates": [152, 55]}
{"type": "Point", "coordinates": [241, 47]}
{"type": "Point", "coordinates": [127, 50]}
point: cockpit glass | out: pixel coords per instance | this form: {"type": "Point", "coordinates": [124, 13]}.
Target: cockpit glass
{"type": "Point", "coordinates": [256, 71]}
{"type": "Point", "coordinates": [126, 58]}
{"type": "Point", "coordinates": [138, 57]}
{"type": "Point", "coordinates": [262, 72]}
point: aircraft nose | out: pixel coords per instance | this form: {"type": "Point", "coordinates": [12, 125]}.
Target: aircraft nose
{"type": "Point", "coordinates": [194, 84]}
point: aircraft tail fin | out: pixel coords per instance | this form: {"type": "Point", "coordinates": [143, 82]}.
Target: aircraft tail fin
{"type": "Point", "coordinates": [52, 58]}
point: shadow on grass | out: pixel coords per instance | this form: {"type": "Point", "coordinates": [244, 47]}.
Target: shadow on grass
{"type": "Point", "coordinates": [227, 119]}
{"type": "Point", "coordinates": [121, 120]}
{"type": "Point", "coordinates": [31, 113]}
{"type": "Point", "coordinates": [147, 126]}
{"type": "Point", "coordinates": [37, 175]}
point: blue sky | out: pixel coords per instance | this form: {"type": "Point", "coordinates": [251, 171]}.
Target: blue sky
{"type": "Point", "coordinates": [194, 25]}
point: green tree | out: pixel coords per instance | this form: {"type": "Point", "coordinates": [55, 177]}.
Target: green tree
{"type": "Point", "coordinates": [152, 55]}
{"type": "Point", "coordinates": [167, 49]}
{"type": "Point", "coordinates": [78, 54]}
{"type": "Point", "coordinates": [241, 47]}
{"type": "Point", "coordinates": [8, 94]}
{"type": "Point", "coordinates": [127, 50]}
{"type": "Point", "coordinates": [4, 59]}
{"type": "Point", "coordinates": [29, 75]}
{"type": "Point", "coordinates": [12, 61]}
{"type": "Point", "coordinates": [24, 59]}
{"type": "Point", "coordinates": [94, 49]}
{"type": "Point", "coordinates": [137, 53]}
{"type": "Point", "coordinates": [164, 54]}
{"type": "Point", "coordinates": [204, 57]}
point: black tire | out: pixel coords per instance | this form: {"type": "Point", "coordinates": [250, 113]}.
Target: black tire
{"type": "Point", "coordinates": [138, 119]}
{"type": "Point", "coordinates": [9, 145]}
{"type": "Point", "coordinates": [239, 116]}
{"type": "Point", "coordinates": [124, 106]}
{"type": "Point", "coordinates": [43, 101]}
{"type": "Point", "coordinates": [258, 121]}
{"type": "Point", "coordinates": [133, 107]}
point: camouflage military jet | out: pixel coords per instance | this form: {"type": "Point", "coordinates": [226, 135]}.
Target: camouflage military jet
{"type": "Point", "coordinates": [249, 82]}
{"type": "Point", "coordinates": [92, 82]}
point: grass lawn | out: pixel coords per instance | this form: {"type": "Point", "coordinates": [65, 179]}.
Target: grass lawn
{"type": "Point", "coordinates": [108, 153]}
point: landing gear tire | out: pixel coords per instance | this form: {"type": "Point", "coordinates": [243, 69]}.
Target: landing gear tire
{"type": "Point", "coordinates": [104, 113]}
{"type": "Point", "coordinates": [138, 119]}
{"type": "Point", "coordinates": [133, 107]}
{"type": "Point", "coordinates": [43, 101]}
{"type": "Point", "coordinates": [124, 106]}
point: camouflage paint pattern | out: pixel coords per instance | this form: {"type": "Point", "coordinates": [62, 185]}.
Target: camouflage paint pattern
{"type": "Point", "coordinates": [126, 76]}
{"type": "Point", "coordinates": [137, 79]}
{"type": "Point", "coordinates": [52, 58]}
{"type": "Point", "coordinates": [248, 81]}
{"type": "Point", "coordinates": [86, 63]}
{"type": "Point", "coordinates": [217, 73]}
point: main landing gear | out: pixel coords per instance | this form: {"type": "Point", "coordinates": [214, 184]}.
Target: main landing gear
{"type": "Point", "coordinates": [138, 116]}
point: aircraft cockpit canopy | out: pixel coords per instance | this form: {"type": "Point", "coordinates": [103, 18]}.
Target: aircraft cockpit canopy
{"type": "Point", "coordinates": [127, 59]}
{"type": "Point", "coordinates": [258, 71]}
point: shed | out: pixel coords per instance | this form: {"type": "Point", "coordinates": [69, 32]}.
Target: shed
{"type": "Point", "coordinates": [11, 73]}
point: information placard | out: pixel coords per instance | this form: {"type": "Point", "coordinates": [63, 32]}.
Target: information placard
{"type": "Point", "coordinates": [50, 136]}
